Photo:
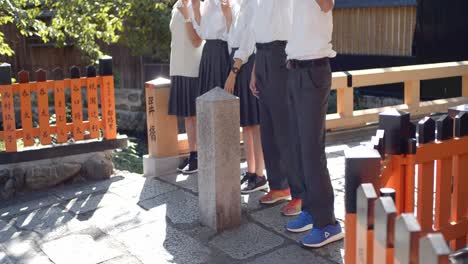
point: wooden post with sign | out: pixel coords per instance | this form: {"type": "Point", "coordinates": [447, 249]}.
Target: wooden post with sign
{"type": "Point", "coordinates": [163, 148]}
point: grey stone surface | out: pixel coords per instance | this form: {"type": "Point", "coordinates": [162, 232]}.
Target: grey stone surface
{"type": "Point", "coordinates": [21, 205]}
{"type": "Point", "coordinates": [187, 181]}
{"type": "Point", "coordinates": [218, 160]}
{"type": "Point", "coordinates": [78, 190]}
{"type": "Point", "coordinates": [336, 167]}
{"type": "Point", "coordinates": [164, 245]}
{"type": "Point", "coordinates": [24, 248]}
{"type": "Point", "coordinates": [49, 222]}
{"type": "Point", "coordinates": [272, 218]}
{"type": "Point", "coordinates": [251, 202]}
{"type": "Point", "coordinates": [246, 241]}
{"type": "Point", "coordinates": [7, 231]}
{"type": "Point", "coordinates": [50, 175]}
{"type": "Point", "coordinates": [123, 260]}
{"type": "Point", "coordinates": [71, 249]}
{"type": "Point", "coordinates": [19, 174]}
{"type": "Point", "coordinates": [98, 167]}
{"type": "Point", "coordinates": [92, 202]}
{"type": "Point", "coordinates": [292, 254]}
{"type": "Point", "coordinates": [181, 207]}
{"type": "Point", "coordinates": [333, 252]}
{"type": "Point", "coordinates": [142, 190]}
{"type": "Point", "coordinates": [153, 166]}
{"type": "Point", "coordinates": [4, 259]}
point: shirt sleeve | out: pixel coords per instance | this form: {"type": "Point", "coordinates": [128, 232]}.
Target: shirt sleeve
{"type": "Point", "coordinates": [247, 39]}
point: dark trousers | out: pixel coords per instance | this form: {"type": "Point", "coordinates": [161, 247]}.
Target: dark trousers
{"type": "Point", "coordinates": [309, 91]}
{"type": "Point", "coordinates": [281, 162]}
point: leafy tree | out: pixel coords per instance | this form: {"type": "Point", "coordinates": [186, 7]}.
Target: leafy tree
{"type": "Point", "coordinates": [143, 25]}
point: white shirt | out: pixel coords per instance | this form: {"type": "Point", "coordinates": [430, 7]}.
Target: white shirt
{"type": "Point", "coordinates": [311, 34]}
{"type": "Point", "coordinates": [185, 58]}
{"type": "Point", "coordinates": [272, 20]}
{"type": "Point", "coordinates": [241, 34]}
{"type": "Point", "coordinates": [213, 23]}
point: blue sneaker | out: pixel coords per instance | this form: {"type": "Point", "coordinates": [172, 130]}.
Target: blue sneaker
{"type": "Point", "coordinates": [301, 223]}
{"type": "Point", "coordinates": [320, 237]}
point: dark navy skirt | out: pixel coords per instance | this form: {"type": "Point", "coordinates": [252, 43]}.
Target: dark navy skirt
{"type": "Point", "coordinates": [183, 94]}
{"type": "Point", "coordinates": [249, 109]}
{"type": "Point", "coordinates": [214, 66]}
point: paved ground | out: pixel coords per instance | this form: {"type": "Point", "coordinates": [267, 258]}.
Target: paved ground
{"type": "Point", "coordinates": [133, 219]}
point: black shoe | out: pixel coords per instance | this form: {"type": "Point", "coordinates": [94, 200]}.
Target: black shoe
{"type": "Point", "coordinates": [192, 166]}
{"type": "Point", "coordinates": [254, 184]}
{"type": "Point", "coordinates": [183, 164]}
{"type": "Point", "coordinates": [246, 176]}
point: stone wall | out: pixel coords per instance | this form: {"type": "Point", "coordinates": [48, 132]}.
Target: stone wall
{"type": "Point", "coordinates": [130, 108]}
{"type": "Point", "coordinates": [42, 174]}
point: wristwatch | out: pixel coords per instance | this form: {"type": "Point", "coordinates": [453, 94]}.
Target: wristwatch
{"type": "Point", "coordinates": [235, 70]}
{"type": "Point", "coordinates": [188, 20]}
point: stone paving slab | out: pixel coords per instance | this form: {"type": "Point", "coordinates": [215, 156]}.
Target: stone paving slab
{"type": "Point", "coordinates": [159, 243]}
{"type": "Point", "coordinates": [7, 231]}
{"type": "Point", "coordinates": [181, 206]}
{"type": "Point", "coordinates": [49, 222]}
{"type": "Point", "coordinates": [71, 249]}
{"type": "Point", "coordinates": [246, 241]}
{"type": "Point", "coordinates": [23, 247]}
{"type": "Point", "coordinates": [4, 259]}
{"type": "Point", "coordinates": [92, 202]}
{"type": "Point", "coordinates": [250, 202]}
{"type": "Point", "coordinates": [273, 219]}
{"type": "Point", "coordinates": [292, 254]}
{"type": "Point", "coordinates": [122, 260]}
{"type": "Point", "coordinates": [185, 181]}
{"type": "Point", "coordinates": [143, 190]}
{"type": "Point", "coordinates": [74, 191]}
{"type": "Point", "coordinates": [24, 205]}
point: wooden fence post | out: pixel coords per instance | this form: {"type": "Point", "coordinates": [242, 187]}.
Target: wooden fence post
{"type": "Point", "coordinates": [43, 107]}
{"type": "Point", "coordinates": [366, 197]}
{"type": "Point", "coordinates": [465, 86]}
{"type": "Point", "coordinates": [413, 95]}
{"type": "Point", "coordinates": [8, 108]}
{"type": "Point", "coordinates": [384, 230]}
{"type": "Point", "coordinates": [91, 90]}
{"type": "Point", "coordinates": [362, 165]}
{"type": "Point", "coordinates": [407, 234]}
{"type": "Point", "coordinates": [163, 149]}
{"type": "Point", "coordinates": [433, 249]}
{"type": "Point", "coordinates": [60, 105]}
{"type": "Point", "coordinates": [345, 101]}
{"type": "Point", "coordinates": [107, 97]}
{"type": "Point", "coordinates": [26, 110]}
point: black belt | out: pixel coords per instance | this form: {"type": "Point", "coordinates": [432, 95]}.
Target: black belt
{"type": "Point", "coordinates": [299, 64]}
{"type": "Point", "coordinates": [277, 43]}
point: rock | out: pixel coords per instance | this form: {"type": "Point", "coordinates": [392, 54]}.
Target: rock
{"type": "Point", "coordinates": [4, 176]}
{"type": "Point", "coordinates": [43, 177]}
{"type": "Point", "coordinates": [19, 175]}
{"type": "Point", "coordinates": [133, 98]}
{"type": "Point", "coordinates": [9, 189]}
{"type": "Point", "coordinates": [98, 167]}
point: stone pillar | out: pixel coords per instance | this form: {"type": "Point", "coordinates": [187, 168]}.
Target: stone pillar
{"type": "Point", "coordinates": [218, 159]}
{"type": "Point", "coordinates": [163, 149]}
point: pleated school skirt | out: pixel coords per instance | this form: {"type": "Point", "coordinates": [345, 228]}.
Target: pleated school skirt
{"type": "Point", "coordinates": [214, 66]}
{"type": "Point", "coordinates": [249, 109]}
{"type": "Point", "coordinates": [184, 92]}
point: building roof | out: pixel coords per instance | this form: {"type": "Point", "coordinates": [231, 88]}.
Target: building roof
{"type": "Point", "coordinates": [373, 3]}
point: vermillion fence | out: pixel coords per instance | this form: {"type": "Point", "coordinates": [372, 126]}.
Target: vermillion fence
{"type": "Point", "coordinates": [98, 92]}
{"type": "Point", "coordinates": [426, 166]}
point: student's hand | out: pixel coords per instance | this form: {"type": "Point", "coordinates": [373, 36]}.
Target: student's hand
{"type": "Point", "coordinates": [253, 84]}
{"type": "Point", "coordinates": [325, 5]}
{"type": "Point", "coordinates": [183, 9]}
{"type": "Point", "coordinates": [230, 83]}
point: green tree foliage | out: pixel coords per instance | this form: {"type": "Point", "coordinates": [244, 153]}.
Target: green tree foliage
{"type": "Point", "coordinates": [140, 24]}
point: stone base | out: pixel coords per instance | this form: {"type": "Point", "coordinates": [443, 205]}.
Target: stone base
{"type": "Point", "coordinates": [153, 166]}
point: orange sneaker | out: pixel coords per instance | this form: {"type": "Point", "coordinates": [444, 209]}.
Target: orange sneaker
{"type": "Point", "coordinates": [294, 207]}
{"type": "Point", "coordinates": [274, 196]}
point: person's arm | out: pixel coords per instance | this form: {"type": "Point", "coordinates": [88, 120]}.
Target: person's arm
{"type": "Point", "coordinates": [325, 5]}
{"type": "Point", "coordinates": [196, 11]}
{"type": "Point", "coordinates": [231, 80]}
{"type": "Point", "coordinates": [253, 82]}
{"type": "Point", "coordinates": [226, 8]}
{"type": "Point", "coordinates": [194, 38]}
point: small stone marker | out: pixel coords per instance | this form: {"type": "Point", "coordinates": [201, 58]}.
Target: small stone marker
{"type": "Point", "coordinates": [218, 159]}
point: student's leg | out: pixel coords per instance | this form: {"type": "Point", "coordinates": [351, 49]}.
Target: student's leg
{"type": "Point", "coordinates": [258, 151]}
{"type": "Point", "coordinates": [191, 129]}
{"type": "Point", "coordinates": [249, 149]}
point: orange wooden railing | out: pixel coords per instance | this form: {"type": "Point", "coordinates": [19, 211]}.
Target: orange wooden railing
{"type": "Point", "coordinates": [78, 129]}
{"type": "Point", "coordinates": [427, 166]}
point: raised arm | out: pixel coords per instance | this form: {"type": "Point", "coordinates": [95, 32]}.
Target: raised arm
{"type": "Point", "coordinates": [226, 8]}
{"type": "Point", "coordinates": [325, 5]}
{"type": "Point", "coordinates": [194, 38]}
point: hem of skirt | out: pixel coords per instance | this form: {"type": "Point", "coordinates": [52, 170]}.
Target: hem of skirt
{"type": "Point", "coordinates": [182, 115]}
